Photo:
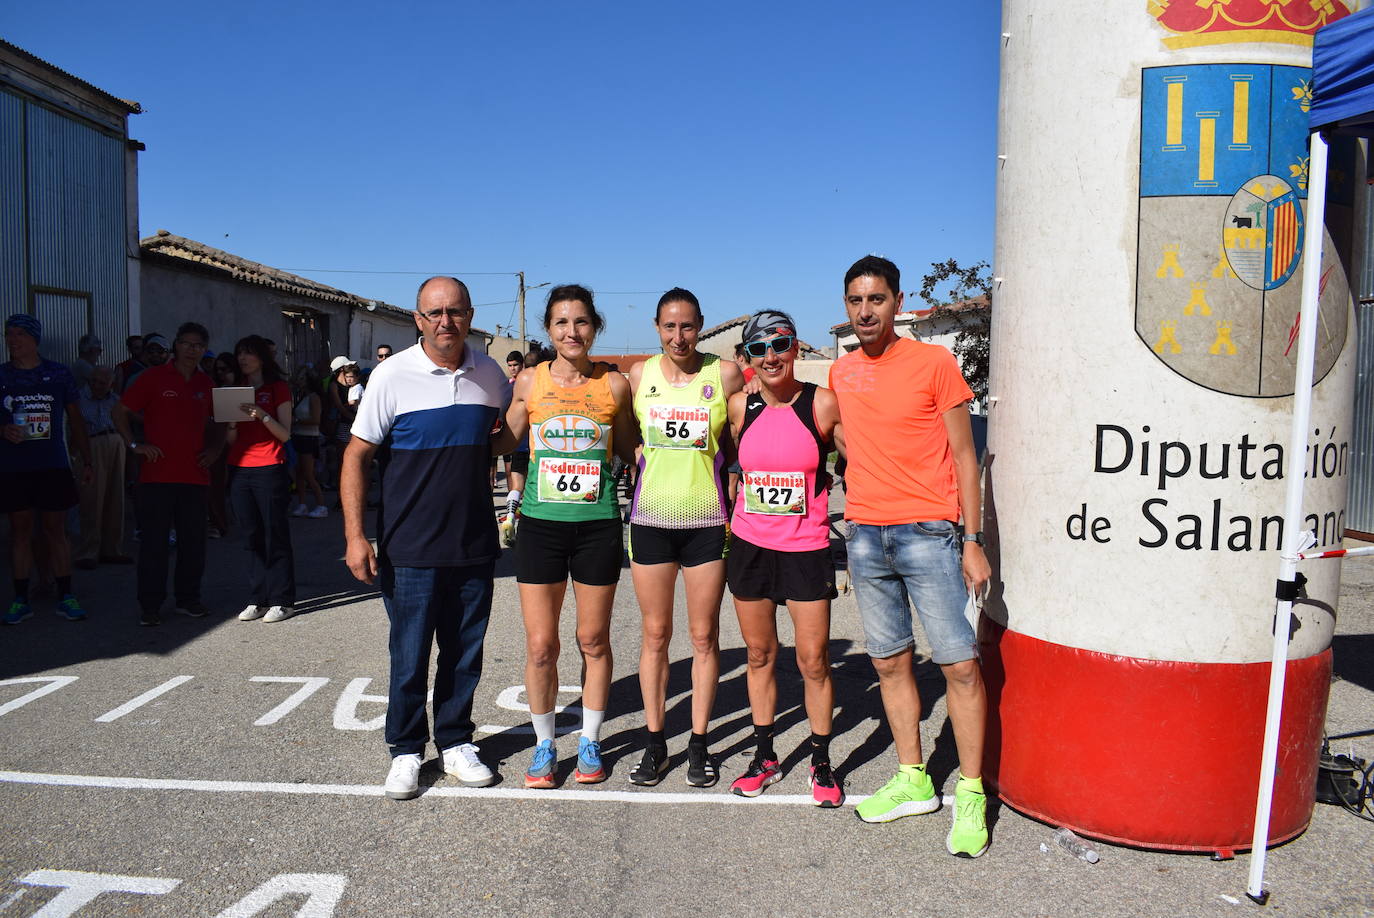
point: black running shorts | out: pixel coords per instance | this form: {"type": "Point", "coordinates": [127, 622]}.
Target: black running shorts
{"type": "Point", "coordinates": [687, 547]}
{"type": "Point", "coordinates": [548, 551]}
{"type": "Point", "coordinates": [753, 572]}
{"type": "Point", "coordinates": [45, 490]}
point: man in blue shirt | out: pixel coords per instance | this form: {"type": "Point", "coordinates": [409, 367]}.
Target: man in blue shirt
{"type": "Point", "coordinates": [102, 499]}
{"type": "Point", "coordinates": [434, 405]}
{"type": "Point", "coordinates": [35, 471]}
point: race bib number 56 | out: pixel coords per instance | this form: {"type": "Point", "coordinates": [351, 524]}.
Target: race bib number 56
{"type": "Point", "coordinates": [775, 493]}
{"type": "Point", "coordinates": [674, 427]}
{"type": "Point", "coordinates": [569, 480]}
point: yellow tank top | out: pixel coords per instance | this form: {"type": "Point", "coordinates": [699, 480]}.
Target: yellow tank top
{"type": "Point", "coordinates": [679, 484]}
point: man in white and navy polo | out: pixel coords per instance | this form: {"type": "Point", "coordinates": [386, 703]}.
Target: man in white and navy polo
{"type": "Point", "coordinates": [434, 405]}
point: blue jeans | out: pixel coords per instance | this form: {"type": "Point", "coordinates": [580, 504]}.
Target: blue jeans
{"type": "Point", "coordinates": [449, 606]}
{"type": "Point", "coordinates": [892, 567]}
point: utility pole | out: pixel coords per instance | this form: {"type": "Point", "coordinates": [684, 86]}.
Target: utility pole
{"type": "Point", "coordinates": [520, 305]}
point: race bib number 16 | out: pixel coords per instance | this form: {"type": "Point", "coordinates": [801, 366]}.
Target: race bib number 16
{"type": "Point", "coordinates": [675, 427]}
{"type": "Point", "coordinates": [775, 493]}
{"type": "Point", "coordinates": [37, 424]}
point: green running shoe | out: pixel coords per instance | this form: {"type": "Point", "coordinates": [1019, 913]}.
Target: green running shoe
{"type": "Point", "coordinates": [968, 836]}
{"type": "Point", "coordinates": [18, 611]}
{"type": "Point", "coordinates": [909, 793]}
{"type": "Point", "coordinates": [70, 609]}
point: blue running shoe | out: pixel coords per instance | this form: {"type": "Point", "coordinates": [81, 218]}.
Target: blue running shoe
{"type": "Point", "coordinates": [70, 609]}
{"type": "Point", "coordinates": [589, 770]}
{"type": "Point", "coordinates": [541, 770]}
{"type": "Point", "coordinates": [18, 611]}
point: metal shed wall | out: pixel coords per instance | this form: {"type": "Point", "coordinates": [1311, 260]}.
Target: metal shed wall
{"type": "Point", "coordinates": [76, 230]}
{"type": "Point", "coordinates": [1359, 513]}
{"type": "Point", "coordinates": [63, 226]}
{"type": "Point", "coordinates": [13, 287]}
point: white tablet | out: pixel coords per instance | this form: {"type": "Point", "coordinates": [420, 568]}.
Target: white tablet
{"type": "Point", "coordinates": [229, 401]}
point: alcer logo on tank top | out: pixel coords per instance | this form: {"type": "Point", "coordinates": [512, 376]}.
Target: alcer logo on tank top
{"type": "Point", "coordinates": [569, 433]}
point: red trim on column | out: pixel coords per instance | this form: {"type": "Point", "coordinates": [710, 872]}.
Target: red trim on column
{"type": "Point", "coordinates": [1144, 752]}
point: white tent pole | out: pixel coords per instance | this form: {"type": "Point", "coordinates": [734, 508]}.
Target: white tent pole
{"type": "Point", "coordinates": [1292, 507]}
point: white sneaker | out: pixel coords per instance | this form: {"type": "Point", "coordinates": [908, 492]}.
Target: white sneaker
{"type": "Point", "coordinates": [319, 513]}
{"type": "Point", "coordinates": [462, 762]}
{"type": "Point", "coordinates": [252, 613]}
{"type": "Point", "coordinates": [299, 510]}
{"type": "Point", "coordinates": [279, 614]}
{"type": "Point", "coordinates": [403, 781]}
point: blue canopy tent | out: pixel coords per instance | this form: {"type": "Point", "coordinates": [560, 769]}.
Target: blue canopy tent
{"type": "Point", "coordinates": [1342, 104]}
{"type": "Point", "coordinates": [1343, 77]}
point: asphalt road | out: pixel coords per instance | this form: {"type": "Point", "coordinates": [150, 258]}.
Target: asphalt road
{"type": "Point", "coordinates": [218, 768]}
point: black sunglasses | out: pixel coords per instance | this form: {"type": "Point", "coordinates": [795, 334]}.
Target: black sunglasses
{"type": "Point", "coordinates": [780, 345]}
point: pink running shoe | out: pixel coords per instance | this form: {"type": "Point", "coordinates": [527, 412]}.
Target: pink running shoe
{"type": "Point", "coordinates": [826, 790]}
{"type": "Point", "coordinates": [761, 773]}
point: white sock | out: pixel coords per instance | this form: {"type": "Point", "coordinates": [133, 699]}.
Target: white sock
{"type": "Point", "coordinates": [543, 726]}
{"type": "Point", "coordinates": [513, 499]}
{"type": "Point", "coordinates": [591, 724]}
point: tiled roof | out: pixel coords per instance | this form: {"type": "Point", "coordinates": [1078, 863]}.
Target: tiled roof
{"type": "Point", "coordinates": [129, 106]}
{"type": "Point", "coordinates": [738, 321]}
{"type": "Point", "coordinates": [911, 315]}
{"type": "Point", "coordinates": [623, 362]}
{"type": "Point", "coordinates": [172, 247]}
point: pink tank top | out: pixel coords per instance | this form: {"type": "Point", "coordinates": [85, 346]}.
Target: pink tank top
{"type": "Point", "coordinates": [784, 492]}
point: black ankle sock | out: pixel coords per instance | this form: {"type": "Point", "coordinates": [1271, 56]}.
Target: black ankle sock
{"type": "Point", "coordinates": [656, 739]}
{"type": "Point", "coordinates": [763, 742]}
{"type": "Point", "coordinates": [820, 749]}
{"type": "Point", "coordinates": [64, 585]}
{"type": "Point", "coordinates": [21, 589]}
{"type": "Point", "coordinates": [698, 740]}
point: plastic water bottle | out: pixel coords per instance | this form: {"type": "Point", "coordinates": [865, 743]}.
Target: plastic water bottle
{"type": "Point", "coordinates": [1075, 846]}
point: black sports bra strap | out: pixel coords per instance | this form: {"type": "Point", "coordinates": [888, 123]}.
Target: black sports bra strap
{"type": "Point", "coordinates": [805, 407]}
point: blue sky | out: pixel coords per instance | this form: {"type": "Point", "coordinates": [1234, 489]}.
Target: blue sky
{"type": "Point", "coordinates": [748, 152]}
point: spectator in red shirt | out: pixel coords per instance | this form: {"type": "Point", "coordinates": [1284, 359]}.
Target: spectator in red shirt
{"type": "Point", "coordinates": [260, 483]}
{"type": "Point", "coordinates": [127, 369]}
{"type": "Point", "coordinates": [179, 443]}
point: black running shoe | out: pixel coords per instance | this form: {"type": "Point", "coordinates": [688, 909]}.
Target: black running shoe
{"type": "Point", "coordinates": [149, 618]}
{"type": "Point", "coordinates": [651, 767]}
{"type": "Point", "coordinates": [701, 771]}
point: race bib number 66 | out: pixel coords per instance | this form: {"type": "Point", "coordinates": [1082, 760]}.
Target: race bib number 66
{"type": "Point", "coordinates": [676, 427]}
{"type": "Point", "coordinates": [775, 493]}
{"type": "Point", "coordinates": [569, 480]}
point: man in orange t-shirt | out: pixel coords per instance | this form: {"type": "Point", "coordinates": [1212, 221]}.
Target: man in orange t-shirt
{"type": "Point", "coordinates": [913, 473]}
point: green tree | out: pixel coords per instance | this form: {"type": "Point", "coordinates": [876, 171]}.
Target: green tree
{"type": "Point", "coordinates": [947, 288]}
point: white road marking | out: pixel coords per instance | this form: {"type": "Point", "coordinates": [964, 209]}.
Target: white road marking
{"type": "Point", "coordinates": [322, 889]}
{"type": "Point", "coordinates": [141, 700]}
{"type": "Point", "coordinates": [719, 795]}
{"type": "Point", "coordinates": [309, 686]}
{"type": "Point", "coordinates": [346, 708]}
{"type": "Point", "coordinates": [79, 888]}
{"type": "Point", "coordinates": [54, 683]}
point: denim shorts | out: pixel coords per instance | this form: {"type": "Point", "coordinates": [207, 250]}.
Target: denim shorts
{"type": "Point", "coordinates": [894, 567]}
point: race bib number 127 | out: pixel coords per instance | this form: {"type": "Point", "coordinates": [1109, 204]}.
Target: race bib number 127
{"type": "Point", "coordinates": [775, 493]}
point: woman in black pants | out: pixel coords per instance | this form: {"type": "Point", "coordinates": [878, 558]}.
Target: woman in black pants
{"type": "Point", "coordinates": [259, 483]}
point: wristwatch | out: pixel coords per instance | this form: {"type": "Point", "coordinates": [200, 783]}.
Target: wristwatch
{"type": "Point", "coordinates": [133, 445]}
{"type": "Point", "coordinates": [974, 537]}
